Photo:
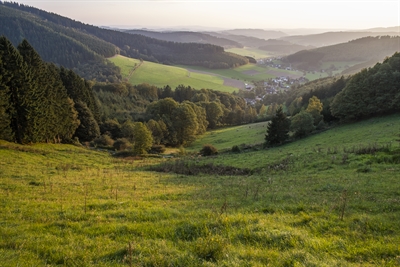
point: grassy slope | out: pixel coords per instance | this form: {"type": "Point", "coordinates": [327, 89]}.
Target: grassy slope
{"type": "Point", "coordinates": [289, 215]}
{"type": "Point", "coordinates": [161, 75]}
{"type": "Point", "coordinates": [250, 52]}
{"type": "Point", "coordinates": [225, 138]}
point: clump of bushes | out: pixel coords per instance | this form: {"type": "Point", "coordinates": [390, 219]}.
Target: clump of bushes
{"type": "Point", "coordinates": [157, 149]}
{"type": "Point", "coordinates": [102, 141]}
{"type": "Point", "coordinates": [208, 150]}
{"type": "Point", "coordinates": [236, 149]}
{"type": "Point", "coordinates": [121, 144]}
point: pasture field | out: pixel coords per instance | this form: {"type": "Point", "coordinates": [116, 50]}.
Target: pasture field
{"type": "Point", "coordinates": [250, 52]}
{"type": "Point", "coordinates": [331, 199]}
{"type": "Point", "coordinates": [162, 75]}
{"type": "Point", "coordinates": [225, 138]}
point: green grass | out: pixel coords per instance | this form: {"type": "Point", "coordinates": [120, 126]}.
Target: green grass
{"type": "Point", "coordinates": [161, 75]}
{"type": "Point", "coordinates": [250, 52]}
{"type": "Point", "coordinates": [239, 73]}
{"type": "Point", "coordinates": [315, 202]}
{"type": "Point", "coordinates": [225, 138]}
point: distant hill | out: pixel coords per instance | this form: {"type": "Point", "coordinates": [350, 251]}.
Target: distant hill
{"type": "Point", "coordinates": [58, 44]}
{"type": "Point", "coordinates": [257, 33]}
{"type": "Point", "coordinates": [188, 37]}
{"type": "Point", "coordinates": [360, 50]}
{"type": "Point", "coordinates": [81, 46]}
{"type": "Point", "coordinates": [332, 38]}
{"type": "Point", "coordinates": [272, 45]}
{"type": "Point", "coordinates": [384, 29]}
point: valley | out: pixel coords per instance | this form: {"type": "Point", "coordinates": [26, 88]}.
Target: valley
{"type": "Point", "coordinates": [220, 144]}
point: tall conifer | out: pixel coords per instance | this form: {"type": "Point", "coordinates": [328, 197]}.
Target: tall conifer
{"type": "Point", "coordinates": [19, 83]}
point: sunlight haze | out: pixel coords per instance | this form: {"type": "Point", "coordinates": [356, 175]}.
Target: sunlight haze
{"type": "Point", "coordinates": [335, 15]}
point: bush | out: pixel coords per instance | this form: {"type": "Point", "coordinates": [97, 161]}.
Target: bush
{"type": "Point", "coordinates": [103, 140]}
{"type": "Point", "coordinates": [121, 144]}
{"type": "Point", "coordinates": [208, 150]}
{"type": "Point", "coordinates": [236, 149]}
{"type": "Point", "coordinates": [157, 149]}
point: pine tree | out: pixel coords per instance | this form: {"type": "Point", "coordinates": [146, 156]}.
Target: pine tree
{"type": "Point", "coordinates": [5, 122]}
{"type": "Point", "coordinates": [88, 128]}
{"type": "Point", "coordinates": [278, 128]}
{"type": "Point", "coordinates": [38, 105]}
{"type": "Point", "coordinates": [18, 80]}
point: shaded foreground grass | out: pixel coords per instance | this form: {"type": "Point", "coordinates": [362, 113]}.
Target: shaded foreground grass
{"type": "Point", "coordinates": [63, 205]}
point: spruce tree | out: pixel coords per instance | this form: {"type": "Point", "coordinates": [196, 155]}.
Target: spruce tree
{"type": "Point", "coordinates": [18, 80]}
{"type": "Point", "coordinates": [88, 128]}
{"type": "Point", "coordinates": [5, 122]}
{"type": "Point", "coordinates": [37, 111]}
{"type": "Point", "coordinates": [278, 128]}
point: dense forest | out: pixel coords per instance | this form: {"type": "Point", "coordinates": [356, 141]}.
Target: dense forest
{"type": "Point", "coordinates": [84, 46]}
{"type": "Point", "coordinates": [40, 102]}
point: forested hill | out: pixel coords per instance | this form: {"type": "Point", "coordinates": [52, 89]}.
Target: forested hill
{"type": "Point", "coordinates": [132, 45]}
{"type": "Point", "coordinates": [361, 50]}
{"type": "Point", "coordinates": [188, 37]}
{"type": "Point", "coordinates": [332, 38]}
{"type": "Point", "coordinates": [61, 45]}
{"type": "Point", "coordinates": [272, 45]}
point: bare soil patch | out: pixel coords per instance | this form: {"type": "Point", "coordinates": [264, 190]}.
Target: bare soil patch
{"type": "Point", "coordinates": [233, 83]}
{"type": "Point", "coordinates": [251, 72]}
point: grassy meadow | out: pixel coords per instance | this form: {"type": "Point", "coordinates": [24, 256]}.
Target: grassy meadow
{"type": "Point", "coordinates": [250, 52]}
{"type": "Point", "coordinates": [225, 138]}
{"type": "Point", "coordinates": [331, 199]}
{"type": "Point", "coordinates": [162, 75]}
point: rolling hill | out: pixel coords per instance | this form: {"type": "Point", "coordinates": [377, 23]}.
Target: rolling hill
{"type": "Point", "coordinates": [73, 44]}
{"type": "Point", "coordinates": [367, 49]}
{"type": "Point", "coordinates": [136, 72]}
{"type": "Point", "coordinates": [188, 37]}
{"type": "Point", "coordinates": [273, 46]}
{"type": "Point", "coordinates": [332, 38]}
{"type": "Point", "coordinates": [257, 33]}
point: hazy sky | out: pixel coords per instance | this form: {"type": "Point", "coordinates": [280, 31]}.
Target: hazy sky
{"type": "Point", "coordinates": [334, 14]}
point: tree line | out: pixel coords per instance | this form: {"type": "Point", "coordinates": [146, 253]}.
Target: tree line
{"type": "Point", "coordinates": [40, 102]}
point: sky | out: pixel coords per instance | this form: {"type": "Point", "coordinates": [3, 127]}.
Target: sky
{"type": "Point", "coordinates": [228, 14]}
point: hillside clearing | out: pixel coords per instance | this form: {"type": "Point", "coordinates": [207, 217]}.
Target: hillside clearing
{"type": "Point", "coordinates": [327, 200]}
{"type": "Point", "coordinates": [162, 75]}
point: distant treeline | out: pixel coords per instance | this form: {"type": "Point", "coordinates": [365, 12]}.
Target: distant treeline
{"type": "Point", "coordinates": [188, 37]}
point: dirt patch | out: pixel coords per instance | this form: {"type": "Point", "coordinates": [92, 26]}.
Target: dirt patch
{"type": "Point", "coordinates": [278, 73]}
{"type": "Point", "coordinates": [251, 72]}
{"type": "Point", "coordinates": [233, 83]}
